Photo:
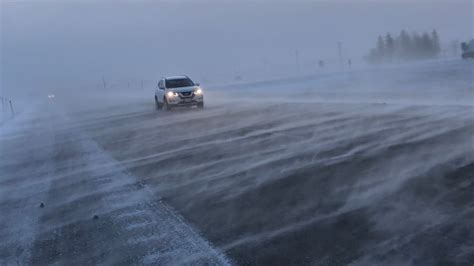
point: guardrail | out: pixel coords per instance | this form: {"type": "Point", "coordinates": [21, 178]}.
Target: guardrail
{"type": "Point", "coordinates": [7, 104]}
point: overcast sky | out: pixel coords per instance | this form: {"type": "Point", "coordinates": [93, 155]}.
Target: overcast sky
{"type": "Point", "coordinates": [60, 42]}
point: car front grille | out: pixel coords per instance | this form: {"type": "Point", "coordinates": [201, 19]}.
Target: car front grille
{"type": "Point", "coordinates": [186, 93]}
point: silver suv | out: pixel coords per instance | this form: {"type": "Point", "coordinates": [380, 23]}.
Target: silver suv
{"type": "Point", "coordinates": [178, 91]}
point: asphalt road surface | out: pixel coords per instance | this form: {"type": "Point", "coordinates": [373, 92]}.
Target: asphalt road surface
{"type": "Point", "coordinates": [241, 182]}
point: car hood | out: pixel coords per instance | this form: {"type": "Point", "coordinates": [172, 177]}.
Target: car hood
{"type": "Point", "coordinates": [183, 89]}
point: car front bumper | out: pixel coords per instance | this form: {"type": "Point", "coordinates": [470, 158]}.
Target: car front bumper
{"type": "Point", "coordinates": [185, 101]}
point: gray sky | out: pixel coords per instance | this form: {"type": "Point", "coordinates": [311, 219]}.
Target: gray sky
{"type": "Point", "coordinates": [63, 42]}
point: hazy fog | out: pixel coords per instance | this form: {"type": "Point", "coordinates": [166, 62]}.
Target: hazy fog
{"type": "Point", "coordinates": [367, 165]}
{"type": "Point", "coordinates": [72, 44]}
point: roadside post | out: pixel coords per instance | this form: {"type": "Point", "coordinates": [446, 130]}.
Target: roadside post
{"type": "Point", "coordinates": [11, 108]}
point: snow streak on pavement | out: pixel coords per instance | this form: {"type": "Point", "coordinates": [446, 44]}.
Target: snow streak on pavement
{"type": "Point", "coordinates": [361, 168]}
{"type": "Point", "coordinates": [313, 184]}
{"type": "Point", "coordinates": [94, 211]}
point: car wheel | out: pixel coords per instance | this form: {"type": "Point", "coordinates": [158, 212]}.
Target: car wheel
{"type": "Point", "coordinates": [166, 106]}
{"type": "Point", "coordinates": [157, 104]}
{"type": "Point", "coordinates": [200, 105]}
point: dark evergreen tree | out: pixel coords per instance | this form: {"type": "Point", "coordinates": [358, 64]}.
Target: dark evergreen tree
{"type": "Point", "coordinates": [417, 46]}
{"type": "Point", "coordinates": [406, 47]}
{"type": "Point", "coordinates": [380, 48]}
{"type": "Point", "coordinates": [426, 46]}
{"type": "Point", "coordinates": [435, 43]}
{"type": "Point", "coordinates": [389, 46]}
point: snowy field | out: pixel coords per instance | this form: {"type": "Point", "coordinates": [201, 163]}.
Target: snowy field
{"type": "Point", "coordinates": [362, 167]}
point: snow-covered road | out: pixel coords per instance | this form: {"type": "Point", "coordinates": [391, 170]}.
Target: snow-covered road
{"type": "Point", "coordinates": [358, 168]}
{"type": "Point", "coordinates": [95, 212]}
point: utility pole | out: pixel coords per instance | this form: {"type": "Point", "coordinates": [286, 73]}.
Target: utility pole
{"type": "Point", "coordinates": [11, 108]}
{"type": "Point", "coordinates": [297, 61]}
{"type": "Point", "coordinates": [339, 48]}
{"type": "Point", "coordinates": [104, 83]}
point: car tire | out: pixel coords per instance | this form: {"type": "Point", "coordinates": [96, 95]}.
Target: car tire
{"type": "Point", "coordinates": [157, 104]}
{"type": "Point", "coordinates": [166, 106]}
{"type": "Point", "coordinates": [200, 105]}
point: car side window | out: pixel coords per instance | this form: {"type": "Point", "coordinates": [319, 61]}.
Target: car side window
{"type": "Point", "coordinates": [160, 85]}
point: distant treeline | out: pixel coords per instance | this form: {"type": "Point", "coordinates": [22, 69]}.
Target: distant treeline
{"type": "Point", "coordinates": [405, 47]}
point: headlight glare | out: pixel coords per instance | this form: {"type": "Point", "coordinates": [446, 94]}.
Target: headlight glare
{"type": "Point", "coordinates": [198, 91]}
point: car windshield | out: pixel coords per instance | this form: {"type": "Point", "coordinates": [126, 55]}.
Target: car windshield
{"type": "Point", "coordinates": [177, 83]}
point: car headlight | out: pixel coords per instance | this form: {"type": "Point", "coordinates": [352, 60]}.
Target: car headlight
{"type": "Point", "coordinates": [171, 94]}
{"type": "Point", "coordinates": [198, 91]}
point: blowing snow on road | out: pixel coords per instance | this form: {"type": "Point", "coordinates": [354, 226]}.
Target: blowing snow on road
{"type": "Point", "coordinates": [357, 167]}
